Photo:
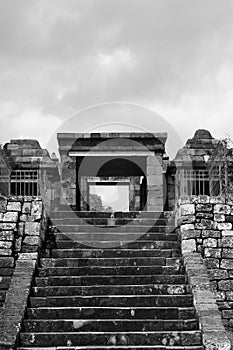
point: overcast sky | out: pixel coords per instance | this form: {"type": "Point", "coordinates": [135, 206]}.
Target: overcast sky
{"type": "Point", "coordinates": [57, 57]}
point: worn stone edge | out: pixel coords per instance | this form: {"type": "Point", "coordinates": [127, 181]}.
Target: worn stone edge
{"type": "Point", "coordinates": [214, 334]}
{"type": "Point", "coordinates": [15, 304]}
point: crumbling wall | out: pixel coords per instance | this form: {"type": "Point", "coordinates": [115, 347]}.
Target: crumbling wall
{"type": "Point", "coordinates": [22, 229]}
{"type": "Point", "coordinates": [205, 226]}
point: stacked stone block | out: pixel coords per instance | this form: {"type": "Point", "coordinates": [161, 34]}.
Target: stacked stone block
{"type": "Point", "coordinates": [22, 228]}
{"type": "Point", "coordinates": [206, 227]}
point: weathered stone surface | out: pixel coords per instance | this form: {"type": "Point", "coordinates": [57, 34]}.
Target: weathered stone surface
{"type": "Point", "coordinates": [18, 244]}
{"type": "Point", "coordinates": [186, 227]}
{"type": "Point", "coordinates": [187, 209]}
{"type": "Point", "coordinates": [219, 217]}
{"type": "Point", "coordinates": [217, 274]}
{"type": "Point", "coordinates": [205, 225]}
{"type": "Point", "coordinates": [3, 205]}
{"type": "Point", "coordinates": [26, 209]}
{"type": "Point", "coordinates": [220, 295]}
{"type": "Point", "coordinates": [211, 233]}
{"type": "Point", "coordinates": [225, 285]}
{"type": "Point", "coordinates": [32, 240]}
{"type": "Point", "coordinates": [212, 263]}
{"type": "Point", "coordinates": [187, 219]}
{"type": "Point", "coordinates": [21, 228]}
{"type": "Point", "coordinates": [210, 242]}
{"type": "Point", "coordinates": [216, 340]}
{"type": "Point", "coordinates": [24, 217]}
{"type": "Point", "coordinates": [15, 303]}
{"type": "Point", "coordinates": [227, 233]}
{"type": "Point", "coordinates": [6, 235]}
{"type": "Point", "coordinates": [222, 226]}
{"type": "Point", "coordinates": [227, 253]}
{"type": "Point", "coordinates": [10, 217]}
{"type": "Point", "coordinates": [208, 216]}
{"type": "Point", "coordinates": [6, 262]}
{"type": "Point", "coordinates": [188, 245]}
{"type": "Point", "coordinates": [222, 209]}
{"type": "Point", "coordinates": [32, 228]}
{"type": "Point", "coordinates": [212, 252]}
{"type": "Point", "coordinates": [5, 252]}
{"type": "Point", "coordinates": [204, 207]}
{"type": "Point", "coordinates": [7, 226]}
{"type": "Point", "coordinates": [14, 206]}
{"type": "Point", "coordinates": [229, 295]}
{"type": "Point", "coordinates": [184, 199]}
{"type": "Point", "coordinates": [191, 234]}
{"type": "Point", "coordinates": [226, 264]}
{"type": "Point", "coordinates": [229, 218]}
{"type": "Point", "coordinates": [28, 256]}
{"type": "Point", "coordinates": [203, 199]}
{"type": "Point", "coordinates": [226, 241]}
{"type": "Point", "coordinates": [6, 244]}
{"type": "Point", "coordinates": [216, 200]}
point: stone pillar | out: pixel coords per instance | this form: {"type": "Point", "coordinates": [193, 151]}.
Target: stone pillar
{"type": "Point", "coordinates": [69, 182]}
{"type": "Point", "coordinates": [155, 200]}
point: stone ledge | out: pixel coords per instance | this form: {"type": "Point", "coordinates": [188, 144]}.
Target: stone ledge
{"type": "Point", "coordinates": [210, 321]}
{"type": "Point", "coordinates": [15, 303]}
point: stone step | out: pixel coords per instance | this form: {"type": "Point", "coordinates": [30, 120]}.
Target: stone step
{"type": "Point", "coordinates": [105, 221]}
{"type": "Point", "coordinates": [98, 236]}
{"type": "Point", "coordinates": [48, 299]}
{"type": "Point", "coordinates": [109, 280]}
{"type": "Point", "coordinates": [115, 229]}
{"type": "Point", "coordinates": [115, 325]}
{"type": "Point", "coordinates": [109, 242]}
{"type": "Point", "coordinates": [112, 338]}
{"type": "Point", "coordinates": [103, 290]}
{"type": "Point", "coordinates": [107, 253]}
{"type": "Point", "coordinates": [109, 312]}
{"type": "Point", "coordinates": [94, 262]}
{"type": "Point", "coordinates": [106, 347]}
{"type": "Point", "coordinates": [100, 214]}
{"type": "Point", "coordinates": [108, 270]}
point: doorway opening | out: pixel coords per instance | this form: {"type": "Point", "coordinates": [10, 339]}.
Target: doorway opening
{"type": "Point", "coordinates": [111, 196]}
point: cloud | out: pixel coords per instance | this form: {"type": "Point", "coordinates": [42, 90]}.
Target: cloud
{"type": "Point", "coordinates": [59, 56]}
{"type": "Point", "coordinates": [26, 123]}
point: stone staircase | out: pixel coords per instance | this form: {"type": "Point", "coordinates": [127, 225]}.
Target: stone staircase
{"type": "Point", "coordinates": [111, 284]}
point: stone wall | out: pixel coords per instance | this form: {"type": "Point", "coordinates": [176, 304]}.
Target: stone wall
{"type": "Point", "coordinates": [22, 229]}
{"type": "Point", "coordinates": [205, 226]}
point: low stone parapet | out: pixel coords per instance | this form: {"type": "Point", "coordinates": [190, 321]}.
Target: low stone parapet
{"type": "Point", "coordinates": [22, 229]}
{"type": "Point", "coordinates": [205, 227]}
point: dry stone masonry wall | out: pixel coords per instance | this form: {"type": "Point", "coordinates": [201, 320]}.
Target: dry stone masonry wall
{"type": "Point", "coordinates": [206, 227]}
{"type": "Point", "coordinates": [22, 229]}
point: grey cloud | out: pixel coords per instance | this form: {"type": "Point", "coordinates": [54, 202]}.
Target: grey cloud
{"type": "Point", "coordinates": [50, 51]}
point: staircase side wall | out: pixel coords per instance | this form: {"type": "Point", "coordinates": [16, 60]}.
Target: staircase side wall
{"type": "Point", "coordinates": [22, 229]}
{"type": "Point", "coordinates": [206, 227]}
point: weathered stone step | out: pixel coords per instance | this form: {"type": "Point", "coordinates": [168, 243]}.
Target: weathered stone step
{"type": "Point", "coordinates": [106, 222]}
{"type": "Point", "coordinates": [106, 347]}
{"type": "Point", "coordinates": [109, 325]}
{"type": "Point", "coordinates": [109, 242]}
{"type": "Point", "coordinates": [112, 338]}
{"type": "Point", "coordinates": [94, 262]}
{"type": "Point", "coordinates": [100, 214]}
{"type": "Point", "coordinates": [103, 290]}
{"type": "Point", "coordinates": [47, 297]}
{"type": "Point", "coordinates": [109, 312]}
{"type": "Point", "coordinates": [109, 280]}
{"type": "Point", "coordinates": [114, 229]}
{"type": "Point", "coordinates": [117, 236]}
{"type": "Point", "coordinates": [107, 270]}
{"type": "Point", "coordinates": [107, 253]}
